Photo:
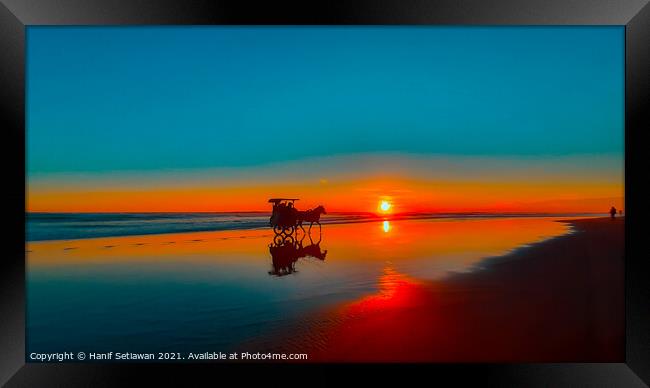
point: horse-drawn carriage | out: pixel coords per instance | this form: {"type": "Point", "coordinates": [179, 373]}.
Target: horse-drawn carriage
{"type": "Point", "coordinates": [285, 217]}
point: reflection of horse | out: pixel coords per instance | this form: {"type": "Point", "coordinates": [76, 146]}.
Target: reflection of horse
{"type": "Point", "coordinates": [285, 253]}
{"type": "Point", "coordinates": [312, 250]}
{"type": "Point", "coordinates": [312, 216]}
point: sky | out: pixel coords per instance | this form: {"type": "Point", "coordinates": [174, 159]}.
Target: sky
{"type": "Point", "coordinates": [222, 118]}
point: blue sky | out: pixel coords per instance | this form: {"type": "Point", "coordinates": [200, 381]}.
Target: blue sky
{"type": "Point", "coordinates": [105, 99]}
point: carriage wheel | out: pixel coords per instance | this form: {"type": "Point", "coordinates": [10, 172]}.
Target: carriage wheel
{"type": "Point", "coordinates": [278, 229]}
{"type": "Point", "coordinates": [278, 240]}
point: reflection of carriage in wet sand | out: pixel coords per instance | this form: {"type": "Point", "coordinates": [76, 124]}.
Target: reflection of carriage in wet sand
{"type": "Point", "coordinates": [285, 252]}
{"type": "Point", "coordinates": [285, 217]}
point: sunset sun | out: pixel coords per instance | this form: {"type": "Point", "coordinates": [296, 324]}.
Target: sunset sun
{"type": "Point", "coordinates": [385, 206]}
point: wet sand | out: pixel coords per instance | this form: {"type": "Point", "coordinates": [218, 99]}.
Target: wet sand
{"type": "Point", "coordinates": [383, 292]}
{"type": "Point", "coordinates": [560, 300]}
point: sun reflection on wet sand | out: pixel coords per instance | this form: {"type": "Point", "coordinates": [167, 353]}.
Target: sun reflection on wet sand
{"type": "Point", "coordinates": [506, 314]}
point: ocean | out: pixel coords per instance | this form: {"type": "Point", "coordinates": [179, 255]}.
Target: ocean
{"type": "Point", "coordinates": [72, 226]}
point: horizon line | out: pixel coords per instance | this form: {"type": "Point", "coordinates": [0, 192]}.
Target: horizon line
{"type": "Point", "coordinates": [329, 212]}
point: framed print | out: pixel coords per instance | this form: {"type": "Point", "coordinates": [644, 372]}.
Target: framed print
{"type": "Point", "coordinates": [445, 188]}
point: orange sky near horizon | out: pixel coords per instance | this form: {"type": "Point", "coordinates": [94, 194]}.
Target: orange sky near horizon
{"type": "Point", "coordinates": [348, 183]}
{"type": "Point", "coordinates": [405, 195]}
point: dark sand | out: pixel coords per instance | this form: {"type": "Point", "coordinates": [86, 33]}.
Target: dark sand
{"type": "Point", "coordinates": [557, 301]}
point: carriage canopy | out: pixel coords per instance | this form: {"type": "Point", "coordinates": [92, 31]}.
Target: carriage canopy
{"type": "Point", "coordinates": [278, 200]}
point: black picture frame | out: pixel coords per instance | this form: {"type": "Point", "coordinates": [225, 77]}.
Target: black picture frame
{"type": "Point", "coordinates": [16, 15]}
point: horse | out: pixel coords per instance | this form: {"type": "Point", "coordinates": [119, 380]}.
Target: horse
{"type": "Point", "coordinates": [312, 216]}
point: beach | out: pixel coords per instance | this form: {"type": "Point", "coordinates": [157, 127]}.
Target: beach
{"type": "Point", "coordinates": [483, 289]}
{"type": "Point", "coordinates": [561, 300]}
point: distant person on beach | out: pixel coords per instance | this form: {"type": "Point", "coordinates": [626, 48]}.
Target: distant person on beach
{"type": "Point", "coordinates": [612, 212]}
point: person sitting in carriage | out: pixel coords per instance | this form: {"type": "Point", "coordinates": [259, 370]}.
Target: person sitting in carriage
{"type": "Point", "coordinates": [292, 211]}
{"type": "Point", "coordinates": [278, 208]}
